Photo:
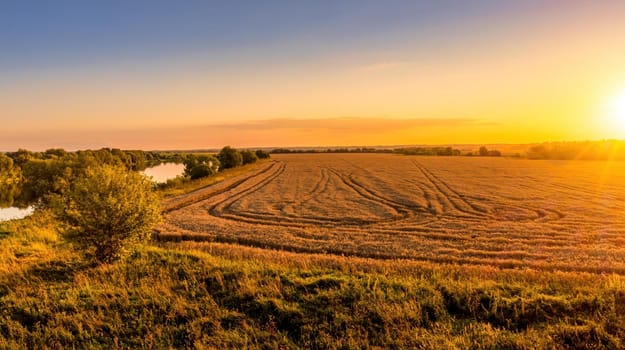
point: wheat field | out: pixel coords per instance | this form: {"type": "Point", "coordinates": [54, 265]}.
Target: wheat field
{"type": "Point", "coordinates": [500, 212]}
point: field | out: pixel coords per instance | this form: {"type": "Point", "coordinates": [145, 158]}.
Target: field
{"type": "Point", "coordinates": [499, 212]}
{"type": "Point", "coordinates": [337, 251]}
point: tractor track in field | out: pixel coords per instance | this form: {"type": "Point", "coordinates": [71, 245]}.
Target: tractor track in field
{"type": "Point", "coordinates": [222, 207]}
{"type": "Point", "coordinates": [411, 214]}
{"type": "Point", "coordinates": [199, 195]}
{"type": "Point", "coordinates": [450, 196]}
{"type": "Point", "coordinates": [404, 209]}
{"type": "Point", "coordinates": [460, 203]}
{"type": "Point", "coordinates": [288, 220]}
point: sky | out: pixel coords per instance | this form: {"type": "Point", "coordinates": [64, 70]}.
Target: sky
{"type": "Point", "coordinates": [202, 74]}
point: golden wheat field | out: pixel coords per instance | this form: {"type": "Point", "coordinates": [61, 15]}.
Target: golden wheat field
{"type": "Point", "coordinates": [501, 212]}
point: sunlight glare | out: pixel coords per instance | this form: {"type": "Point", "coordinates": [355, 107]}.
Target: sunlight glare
{"type": "Point", "coordinates": [617, 111]}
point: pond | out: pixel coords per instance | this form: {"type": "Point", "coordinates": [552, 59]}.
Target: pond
{"type": "Point", "coordinates": [163, 172]}
{"type": "Point", "coordinates": [12, 213]}
{"type": "Point", "coordinates": [12, 204]}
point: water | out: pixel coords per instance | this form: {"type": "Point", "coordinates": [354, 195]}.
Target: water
{"type": "Point", "coordinates": [12, 213]}
{"type": "Point", "coordinates": [12, 205]}
{"type": "Point", "coordinates": [163, 172]}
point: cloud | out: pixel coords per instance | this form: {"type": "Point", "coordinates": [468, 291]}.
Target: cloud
{"type": "Point", "coordinates": [372, 125]}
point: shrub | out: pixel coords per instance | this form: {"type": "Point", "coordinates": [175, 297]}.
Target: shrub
{"type": "Point", "coordinates": [196, 167]}
{"type": "Point", "coordinates": [249, 157]}
{"type": "Point", "coordinates": [485, 152]}
{"type": "Point", "coordinates": [200, 171]}
{"type": "Point", "coordinates": [110, 211]}
{"type": "Point", "coordinates": [229, 158]}
{"type": "Point", "coordinates": [8, 172]}
{"type": "Point", "coordinates": [260, 154]}
{"type": "Point", "coordinates": [46, 179]}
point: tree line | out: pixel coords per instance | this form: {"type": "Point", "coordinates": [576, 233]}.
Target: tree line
{"type": "Point", "coordinates": [201, 165]}
{"type": "Point", "coordinates": [580, 150]}
{"type": "Point", "coordinates": [38, 176]}
{"type": "Point", "coordinates": [585, 150]}
{"type": "Point", "coordinates": [332, 150]}
{"type": "Point", "coordinates": [43, 174]}
{"type": "Point", "coordinates": [105, 206]}
{"type": "Point", "coordinates": [411, 151]}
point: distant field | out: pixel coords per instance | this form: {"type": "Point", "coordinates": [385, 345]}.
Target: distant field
{"type": "Point", "coordinates": [500, 212]}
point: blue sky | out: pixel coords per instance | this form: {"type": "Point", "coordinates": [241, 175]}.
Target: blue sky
{"type": "Point", "coordinates": [59, 34]}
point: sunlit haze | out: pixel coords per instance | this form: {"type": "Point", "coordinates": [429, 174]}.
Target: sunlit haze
{"type": "Point", "coordinates": [203, 74]}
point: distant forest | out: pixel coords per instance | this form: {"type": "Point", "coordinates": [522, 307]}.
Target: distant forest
{"type": "Point", "coordinates": [410, 151]}
{"type": "Point", "coordinates": [580, 150]}
{"type": "Point", "coordinates": [584, 150]}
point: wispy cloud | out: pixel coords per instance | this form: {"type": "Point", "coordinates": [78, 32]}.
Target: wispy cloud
{"type": "Point", "coordinates": [372, 125]}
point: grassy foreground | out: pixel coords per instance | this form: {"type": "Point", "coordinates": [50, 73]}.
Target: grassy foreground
{"type": "Point", "coordinates": [216, 296]}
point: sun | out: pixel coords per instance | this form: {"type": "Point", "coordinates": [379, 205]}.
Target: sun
{"type": "Point", "coordinates": [616, 111]}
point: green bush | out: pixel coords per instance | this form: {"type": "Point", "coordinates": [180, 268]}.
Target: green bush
{"type": "Point", "coordinates": [9, 173]}
{"type": "Point", "coordinates": [260, 154]}
{"type": "Point", "coordinates": [249, 157]}
{"type": "Point", "coordinates": [45, 179]}
{"type": "Point", "coordinates": [229, 158]}
{"type": "Point", "coordinates": [10, 179]}
{"type": "Point", "coordinates": [196, 167]}
{"type": "Point", "coordinates": [110, 211]}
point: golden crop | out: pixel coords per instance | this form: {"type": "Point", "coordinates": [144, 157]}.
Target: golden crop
{"type": "Point", "coordinates": [501, 212]}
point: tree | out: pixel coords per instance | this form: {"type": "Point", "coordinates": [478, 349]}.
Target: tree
{"type": "Point", "coordinates": [21, 156]}
{"type": "Point", "coordinates": [538, 152]}
{"type": "Point", "coordinates": [483, 151]}
{"type": "Point", "coordinates": [249, 157]}
{"type": "Point", "coordinates": [55, 153]}
{"type": "Point", "coordinates": [46, 179]}
{"type": "Point", "coordinates": [10, 177]}
{"type": "Point", "coordinates": [260, 154]}
{"type": "Point", "coordinates": [196, 167]}
{"type": "Point", "coordinates": [229, 158]}
{"type": "Point", "coordinates": [109, 211]}
{"type": "Point", "coordinates": [8, 172]}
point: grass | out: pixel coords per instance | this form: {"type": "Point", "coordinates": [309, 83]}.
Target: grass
{"type": "Point", "coordinates": [28, 241]}
{"type": "Point", "coordinates": [197, 296]}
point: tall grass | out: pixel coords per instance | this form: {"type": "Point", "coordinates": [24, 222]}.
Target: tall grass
{"type": "Point", "coordinates": [196, 296]}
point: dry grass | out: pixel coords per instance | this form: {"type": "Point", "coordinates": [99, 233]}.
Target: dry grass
{"type": "Point", "coordinates": [504, 213]}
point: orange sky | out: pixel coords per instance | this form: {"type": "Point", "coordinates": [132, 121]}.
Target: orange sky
{"type": "Point", "coordinates": [546, 74]}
